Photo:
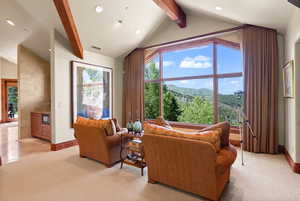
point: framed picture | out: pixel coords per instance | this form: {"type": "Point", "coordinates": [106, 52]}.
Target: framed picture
{"type": "Point", "coordinates": [288, 79]}
{"type": "Point", "coordinates": [91, 91]}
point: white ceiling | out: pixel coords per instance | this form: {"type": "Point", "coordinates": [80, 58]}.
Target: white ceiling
{"type": "Point", "coordinates": [39, 17]}
{"type": "Point", "coordinates": [269, 13]}
{"type": "Point", "coordinates": [26, 28]}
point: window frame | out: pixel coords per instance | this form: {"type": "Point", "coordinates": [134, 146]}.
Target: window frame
{"type": "Point", "coordinates": [215, 76]}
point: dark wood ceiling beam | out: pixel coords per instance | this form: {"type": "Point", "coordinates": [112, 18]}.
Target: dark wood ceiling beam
{"type": "Point", "coordinates": [173, 10]}
{"type": "Point", "coordinates": [65, 14]}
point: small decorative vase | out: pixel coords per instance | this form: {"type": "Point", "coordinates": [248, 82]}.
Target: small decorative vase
{"type": "Point", "coordinates": [137, 127]}
{"type": "Point", "coordinates": [130, 126]}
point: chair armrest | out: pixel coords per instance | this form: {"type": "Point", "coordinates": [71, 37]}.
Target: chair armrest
{"type": "Point", "coordinates": [113, 140]}
{"type": "Point", "coordinates": [225, 159]}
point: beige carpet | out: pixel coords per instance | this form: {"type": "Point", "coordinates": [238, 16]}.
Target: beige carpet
{"type": "Point", "coordinates": [63, 176]}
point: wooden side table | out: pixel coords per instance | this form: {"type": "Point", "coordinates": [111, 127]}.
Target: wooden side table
{"type": "Point", "coordinates": [135, 155]}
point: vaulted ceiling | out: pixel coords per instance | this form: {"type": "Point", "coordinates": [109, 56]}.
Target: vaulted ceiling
{"type": "Point", "coordinates": [36, 19]}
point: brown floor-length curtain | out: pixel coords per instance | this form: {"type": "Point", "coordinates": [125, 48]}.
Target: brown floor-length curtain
{"type": "Point", "coordinates": [133, 87]}
{"type": "Point", "coordinates": [260, 54]}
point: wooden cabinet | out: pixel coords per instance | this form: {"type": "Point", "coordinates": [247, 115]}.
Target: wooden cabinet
{"type": "Point", "coordinates": [40, 125]}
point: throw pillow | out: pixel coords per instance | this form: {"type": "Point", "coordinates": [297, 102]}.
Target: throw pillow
{"type": "Point", "coordinates": [118, 127]}
{"type": "Point", "coordinates": [225, 130]}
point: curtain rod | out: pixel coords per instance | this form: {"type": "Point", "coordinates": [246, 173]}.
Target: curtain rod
{"type": "Point", "coordinates": [204, 35]}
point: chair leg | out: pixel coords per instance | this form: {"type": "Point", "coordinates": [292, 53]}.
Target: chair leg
{"type": "Point", "coordinates": [81, 156]}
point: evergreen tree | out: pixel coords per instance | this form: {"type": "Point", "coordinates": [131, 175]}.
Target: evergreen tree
{"type": "Point", "coordinates": [171, 107]}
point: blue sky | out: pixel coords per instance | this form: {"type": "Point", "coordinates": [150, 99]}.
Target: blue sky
{"type": "Point", "coordinates": [198, 61]}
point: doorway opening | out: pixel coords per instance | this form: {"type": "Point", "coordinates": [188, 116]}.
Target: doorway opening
{"type": "Point", "coordinates": [9, 100]}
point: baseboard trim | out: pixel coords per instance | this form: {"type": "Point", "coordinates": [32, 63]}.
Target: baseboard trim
{"type": "Point", "coordinates": [63, 145]}
{"type": "Point", "coordinates": [295, 166]}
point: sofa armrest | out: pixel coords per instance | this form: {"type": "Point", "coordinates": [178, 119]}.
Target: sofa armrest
{"type": "Point", "coordinates": [225, 159]}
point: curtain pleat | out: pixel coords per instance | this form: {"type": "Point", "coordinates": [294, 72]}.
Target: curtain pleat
{"type": "Point", "coordinates": [133, 87]}
{"type": "Point", "coordinates": [260, 54]}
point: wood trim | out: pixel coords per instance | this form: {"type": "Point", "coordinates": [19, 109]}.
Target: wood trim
{"type": "Point", "coordinates": [161, 86]}
{"type": "Point", "coordinates": [215, 84]}
{"type": "Point", "coordinates": [199, 37]}
{"type": "Point", "coordinates": [173, 10]}
{"type": "Point", "coordinates": [295, 166]}
{"type": "Point", "coordinates": [65, 13]}
{"type": "Point", "coordinates": [202, 36]}
{"type": "Point", "coordinates": [63, 145]}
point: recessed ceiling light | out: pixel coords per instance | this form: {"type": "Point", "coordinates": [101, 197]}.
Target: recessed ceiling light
{"type": "Point", "coordinates": [219, 8]}
{"type": "Point", "coordinates": [99, 9]}
{"type": "Point", "coordinates": [10, 22]}
{"type": "Point", "coordinates": [138, 31]}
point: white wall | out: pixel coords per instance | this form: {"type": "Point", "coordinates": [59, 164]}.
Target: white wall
{"type": "Point", "coordinates": [196, 25]}
{"type": "Point", "coordinates": [61, 56]}
{"type": "Point", "coordinates": [292, 106]}
{"type": "Point", "coordinates": [8, 70]}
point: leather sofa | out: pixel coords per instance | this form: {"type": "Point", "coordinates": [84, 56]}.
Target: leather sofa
{"type": "Point", "coordinates": [95, 144]}
{"type": "Point", "coordinates": [189, 164]}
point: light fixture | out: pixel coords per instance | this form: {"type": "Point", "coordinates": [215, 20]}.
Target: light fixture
{"type": "Point", "coordinates": [10, 22]}
{"type": "Point", "coordinates": [99, 9]}
{"type": "Point", "coordinates": [219, 8]}
{"type": "Point", "coordinates": [138, 31]}
{"type": "Point", "coordinates": [49, 50]}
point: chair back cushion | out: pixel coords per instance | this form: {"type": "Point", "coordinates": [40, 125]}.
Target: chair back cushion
{"type": "Point", "coordinates": [107, 124]}
{"type": "Point", "coordinates": [211, 136]}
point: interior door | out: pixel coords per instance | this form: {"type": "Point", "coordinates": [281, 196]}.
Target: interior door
{"type": "Point", "coordinates": [9, 100]}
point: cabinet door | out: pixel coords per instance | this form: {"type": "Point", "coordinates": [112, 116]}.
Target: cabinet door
{"type": "Point", "coordinates": [46, 131]}
{"type": "Point", "coordinates": [36, 125]}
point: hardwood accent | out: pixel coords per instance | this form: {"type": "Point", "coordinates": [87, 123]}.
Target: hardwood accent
{"type": "Point", "coordinates": [173, 10]}
{"type": "Point", "coordinates": [295, 2]}
{"type": "Point", "coordinates": [38, 128]}
{"type": "Point", "coordinates": [63, 145]}
{"type": "Point", "coordinates": [65, 13]}
{"type": "Point", "coordinates": [4, 100]}
{"type": "Point", "coordinates": [295, 166]}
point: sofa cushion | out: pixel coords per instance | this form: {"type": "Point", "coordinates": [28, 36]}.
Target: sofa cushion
{"type": "Point", "coordinates": [225, 130]}
{"type": "Point", "coordinates": [107, 124]}
{"type": "Point", "coordinates": [211, 136]}
{"type": "Point", "coordinates": [162, 122]}
{"type": "Point", "coordinates": [225, 159]}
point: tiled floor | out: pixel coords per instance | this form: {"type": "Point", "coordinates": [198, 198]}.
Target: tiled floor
{"type": "Point", "coordinates": [12, 149]}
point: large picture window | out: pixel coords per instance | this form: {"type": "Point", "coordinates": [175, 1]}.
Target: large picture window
{"type": "Point", "coordinates": [200, 83]}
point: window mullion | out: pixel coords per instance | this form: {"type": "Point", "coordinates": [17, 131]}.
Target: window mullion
{"type": "Point", "coordinates": [161, 102]}
{"type": "Point", "coordinates": [215, 84]}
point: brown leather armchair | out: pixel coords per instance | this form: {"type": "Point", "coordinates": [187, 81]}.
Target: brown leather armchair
{"type": "Point", "coordinates": [95, 144]}
{"type": "Point", "coordinates": [188, 164]}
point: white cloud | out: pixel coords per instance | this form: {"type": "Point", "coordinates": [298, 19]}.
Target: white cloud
{"type": "Point", "coordinates": [199, 61]}
{"type": "Point", "coordinates": [184, 81]}
{"type": "Point", "coordinates": [234, 82]}
{"type": "Point", "coordinates": [168, 63]}
{"type": "Point", "coordinates": [165, 64]}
